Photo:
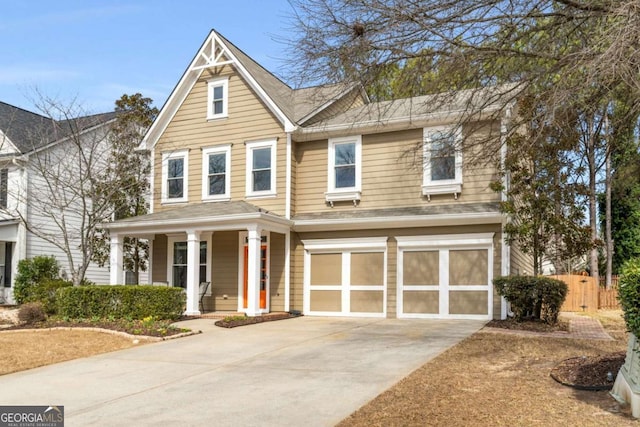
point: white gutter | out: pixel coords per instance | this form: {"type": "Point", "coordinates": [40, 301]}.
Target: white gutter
{"type": "Point", "coordinates": [181, 223]}
{"type": "Point", "coordinates": [404, 221]}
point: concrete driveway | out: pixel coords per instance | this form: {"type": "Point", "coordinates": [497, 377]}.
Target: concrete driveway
{"type": "Point", "coordinates": [307, 371]}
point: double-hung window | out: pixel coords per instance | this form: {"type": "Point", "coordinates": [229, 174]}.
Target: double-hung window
{"type": "Point", "coordinates": [261, 168]}
{"type": "Point", "coordinates": [216, 173]}
{"type": "Point", "coordinates": [442, 161]}
{"type": "Point", "coordinates": [218, 94]}
{"type": "Point", "coordinates": [344, 169]}
{"type": "Point", "coordinates": [175, 168]}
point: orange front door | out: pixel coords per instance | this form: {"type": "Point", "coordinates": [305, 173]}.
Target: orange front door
{"type": "Point", "coordinates": [263, 276]}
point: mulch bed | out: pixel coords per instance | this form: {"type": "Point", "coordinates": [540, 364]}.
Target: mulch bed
{"type": "Point", "coordinates": [582, 372]}
{"type": "Point", "coordinates": [133, 327]}
{"type": "Point", "coordinates": [589, 373]}
{"type": "Point", "coordinates": [235, 321]}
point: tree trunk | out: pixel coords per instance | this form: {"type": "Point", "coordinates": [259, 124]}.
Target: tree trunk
{"type": "Point", "coordinates": [608, 219]}
{"type": "Point", "coordinates": [591, 154]}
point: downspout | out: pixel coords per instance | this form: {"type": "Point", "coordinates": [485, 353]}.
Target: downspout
{"type": "Point", "coordinates": [505, 307]}
{"type": "Point", "coordinates": [287, 236]}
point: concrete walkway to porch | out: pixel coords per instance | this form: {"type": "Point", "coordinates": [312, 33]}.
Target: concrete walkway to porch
{"type": "Point", "coordinates": [311, 371]}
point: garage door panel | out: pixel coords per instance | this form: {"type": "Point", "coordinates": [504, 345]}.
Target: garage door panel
{"type": "Point", "coordinates": [468, 302]}
{"type": "Point", "coordinates": [326, 269]}
{"type": "Point", "coordinates": [421, 302]}
{"type": "Point", "coordinates": [421, 268]}
{"type": "Point", "coordinates": [330, 301]}
{"type": "Point", "coordinates": [468, 267]}
{"type": "Point", "coordinates": [367, 269]}
{"type": "Point", "coordinates": [367, 301]}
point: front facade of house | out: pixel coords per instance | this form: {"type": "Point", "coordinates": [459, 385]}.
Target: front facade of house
{"type": "Point", "coordinates": [35, 157]}
{"type": "Point", "coordinates": [317, 200]}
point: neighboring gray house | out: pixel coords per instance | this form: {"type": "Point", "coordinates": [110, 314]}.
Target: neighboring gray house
{"type": "Point", "coordinates": [38, 164]}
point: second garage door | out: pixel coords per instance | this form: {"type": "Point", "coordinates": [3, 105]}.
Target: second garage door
{"type": "Point", "coordinates": [445, 276]}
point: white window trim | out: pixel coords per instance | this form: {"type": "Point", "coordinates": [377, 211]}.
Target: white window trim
{"type": "Point", "coordinates": [344, 247]}
{"type": "Point", "coordinates": [271, 143]}
{"type": "Point", "coordinates": [211, 84]}
{"type": "Point", "coordinates": [354, 193]}
{"type": "Point", "coordinates": [175, 238]}
{"type": "Point", "coordinates": [448, 186]}
{"type": "Point", "coordinates": [184, 154]}
{"type": "Point", "coordinates": [226, 149]}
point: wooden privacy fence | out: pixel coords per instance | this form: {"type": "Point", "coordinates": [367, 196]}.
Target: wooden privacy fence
{"type": "Point", "coordinates": [585, 294]}
{"type": "Point", "coordinates": [608, 298]}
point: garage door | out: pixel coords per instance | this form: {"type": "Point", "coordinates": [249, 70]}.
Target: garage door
{"type": "Point", "coordinates": [447, 276]}
{"type": "Point", "coordinates": [345, 277]}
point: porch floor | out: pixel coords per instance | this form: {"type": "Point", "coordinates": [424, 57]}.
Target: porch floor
{"type": "Point", "coordinates": [223, 314]}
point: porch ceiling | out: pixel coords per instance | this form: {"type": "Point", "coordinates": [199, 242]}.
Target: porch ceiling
{"type": "Point", "coordinates": [231, 215]}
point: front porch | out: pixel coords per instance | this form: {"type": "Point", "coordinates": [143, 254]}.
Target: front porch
{"type": "Point", "coordinates": [240, 249]}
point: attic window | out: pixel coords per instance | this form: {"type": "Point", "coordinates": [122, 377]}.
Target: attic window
{"type": "Point", "coordinates": [217, 98]}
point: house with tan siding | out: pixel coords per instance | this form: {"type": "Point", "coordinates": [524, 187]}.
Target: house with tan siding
{"type": "Point", "coordinates": [317, 200]}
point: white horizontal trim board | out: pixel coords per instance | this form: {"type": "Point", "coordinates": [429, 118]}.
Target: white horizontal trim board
{"type": "Point", "coordinates": [344, 247]}
{"type": "Point", "coordinates": [443, 244]}
{"type": "Point", "coordinates": [372, 244]}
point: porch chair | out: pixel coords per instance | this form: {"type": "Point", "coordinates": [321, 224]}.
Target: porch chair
{"type": "Point", "coordinates": [203, 290]}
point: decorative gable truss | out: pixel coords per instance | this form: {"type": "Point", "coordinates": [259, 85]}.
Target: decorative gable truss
{"type": "Point", "coordinates": [214, 52]}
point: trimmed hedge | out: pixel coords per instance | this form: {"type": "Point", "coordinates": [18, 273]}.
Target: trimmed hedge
{"type": "Point", "coordinates": [127, 302]}
{"type": "Point", "coordinates": [533, 297]}
{"type": "Point", "coordinates": [629, 295]}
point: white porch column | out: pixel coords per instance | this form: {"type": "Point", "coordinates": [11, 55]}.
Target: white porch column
{"type": "Point", "coordinates": [116, 259]}
{"type": "Point", "coordinates": [193, 267]}
{"type": "Point", "coordinates": [253, 271]}
{"type": "Point", "coordinates": [287, 271]}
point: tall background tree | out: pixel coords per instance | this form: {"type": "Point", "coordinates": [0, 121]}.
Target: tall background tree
{"type": "Point", "coordinates": [126, 178]}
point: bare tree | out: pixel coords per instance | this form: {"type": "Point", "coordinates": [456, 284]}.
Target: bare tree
{"type": "Point", "coordinates": [569, 55]}
{"type": "Point", "coordinates": [55, 200]}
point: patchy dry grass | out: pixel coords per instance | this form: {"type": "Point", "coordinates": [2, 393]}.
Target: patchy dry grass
{"type": "Point", "coordinates": [499, 379]}
{"type": "Point", "coordinates": [21, 350]}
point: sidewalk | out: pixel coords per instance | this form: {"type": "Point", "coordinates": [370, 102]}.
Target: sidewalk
{"type": "Point", "coordinates": [580, 327]}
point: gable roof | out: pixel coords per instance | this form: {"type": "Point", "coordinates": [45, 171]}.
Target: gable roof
{"type": "Point", "coordinates": [29, 131]}
{"type": "Point", "coordinates": [416, 111]}
{"type": "Point", "coordinates": [288, 105]}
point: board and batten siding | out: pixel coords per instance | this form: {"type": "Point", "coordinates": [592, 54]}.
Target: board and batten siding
{"type": "Point", "coordinates": [297, 283]}
{"type": "Point", "coordinates": [248, 120]}
{"type": "Point", "coordinates": [391, 174]}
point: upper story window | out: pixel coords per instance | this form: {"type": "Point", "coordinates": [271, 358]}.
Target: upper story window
{"type": "Point", "coordinates": [175, 170]}
{"type": "Point", "coordinates": [217, 98]}
{"type": "Point", "coordinates": [344, 169]}
{"type": "Point", "coordinates": [442, 161]}
{"type": "Point", "coordinates": [216, 173]}
{"type": "Point", "coordinates": [261, 168]}
{"type": "Point", "coordinates": [4, 177]}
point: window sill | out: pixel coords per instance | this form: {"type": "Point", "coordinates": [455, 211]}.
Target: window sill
{"type": "Point", "coordinates": [173, 202]}
{"type": "Point", "coordinates": [261, 196]}
{"type": "Point", "coordinates": [216, 199]}
{"type": "Point", "coordinates": [342, 196]}
{"type": "Point", "coordinates": [216, 118]}
{"type": "Point", "coordinates": [433, 189]}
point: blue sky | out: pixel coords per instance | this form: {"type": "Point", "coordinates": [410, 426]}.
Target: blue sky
{"type": "Point", "coordinates": [95, 51]}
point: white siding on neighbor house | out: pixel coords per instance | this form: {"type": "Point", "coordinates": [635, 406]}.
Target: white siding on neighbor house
{"type": "Point", "coordinates": [44, 221]}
